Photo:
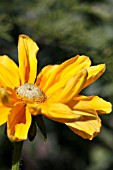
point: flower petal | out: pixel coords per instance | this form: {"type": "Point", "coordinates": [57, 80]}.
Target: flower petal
{"type": "Point", "coordinates": [4, 111]}
{"type": "Point", "coordinates": [19, 121]}
{"type": "Point", "coordinates": [67, 70]}
{"type": "Point", "coordinates": [21, 129]}
{"type": "Point", "coordinates": [10, 65]}
{"type": "Point", "coordinates": [58, 112]}
{"type": "Point", "coordinates": [94, 72]}
{"type": "Point", "coordinates": [8, 96]}
{"type": "Point", "coordinates": [82, 108]}
{"type": "Point", "coordinates": [8, 78]}
{"type": "Point", "coordinates": [85, 128]}
{"type": "Point", "coordinates": [65, 91]}
{"type": "Point", "coordinates": [97, 103]}
{"type": "Point", "coordinates": [42, 77]}
{"type": "Point", "coordinates": [27, 50]}
{"type": "Point", "coordinates": [81, 63]}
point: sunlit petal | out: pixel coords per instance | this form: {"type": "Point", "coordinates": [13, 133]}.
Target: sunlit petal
{"type": "Point", "coordinates": [97, 103]}
{"type": "Point", "coordinates": [4, 111]}
{"type": "Point", "coordinates": [94, 72]}
{"type": "Point", "coordinates": [82, 108]}
{"type": "Point", "coordinates": [27, 50]}
{"type": "Point", "coordinates": [81, 63]}
{"type": "Point", "coordinates": [19, 121]}
{"type": "Point", "coordinates": [21, 129]}
{"type": "Point", "coordinates": [11, 66]}
{"type": "Point", "coordinates": [8, 96]}
{"type": "Point", "coordinates": [8, 77]}
{"type": "Point", "coordinates": [44, 75]}
{"type": "Point", "coordinates": [67, 70]}
{"type": "Point", "coordinates": [86, 128]}
{"type": "Point", "coordinates": [65, 91]}
{"type": "Point", "coordinates": [58, 112]}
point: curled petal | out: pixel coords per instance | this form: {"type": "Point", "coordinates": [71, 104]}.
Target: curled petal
{"type": "Point", "coordinates": [94, 72]}
{"type": "Point", "coordinates": [67, 70]}
{"type": "Point", "coordinates": [8, 78]}
{"type": "Point", "coordinates": [27, 50]}
{"type": "Point", "coordinates": [34, 109]}
{"type": "Point", "coordinates": [19, 121]}
{"type": "Point", "coordinates": [8, 96]}
{"type": "Point", "coordinates": [84, 109]}
{"type": "Point", "coordinates": [85, 128]}
{"type": "Point", "coordinates": [58, 112]}
{"type": "Point", "coordinates": [82, 62]}
{"type": "Point", "coordinates": [4, 111]}
{"type": "Point", "coordinates": [97, 103]}
{"type": "Point", "coordinates": [10, 66]}
{"type": "Point", "coordinates": [65, 91]}
{"type": "Point", "coordinates": [44, 74]}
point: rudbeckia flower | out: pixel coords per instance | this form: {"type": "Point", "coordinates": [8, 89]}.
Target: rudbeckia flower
{"type": "Point", "coordinates": [54, 93]}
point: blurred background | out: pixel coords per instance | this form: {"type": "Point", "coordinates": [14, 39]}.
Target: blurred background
{"type": "Point", "coordinates": [62, 29]}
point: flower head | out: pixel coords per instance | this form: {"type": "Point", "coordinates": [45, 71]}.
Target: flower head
{"type": "Point", "coordinates": [54, 93]}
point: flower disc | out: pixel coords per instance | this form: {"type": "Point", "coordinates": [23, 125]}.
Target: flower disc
{"type": "Point", "coordinates": [29, 91]}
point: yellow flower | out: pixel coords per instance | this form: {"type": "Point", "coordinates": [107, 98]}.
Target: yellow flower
{"type": "Point", "coordinates": [55, 93]}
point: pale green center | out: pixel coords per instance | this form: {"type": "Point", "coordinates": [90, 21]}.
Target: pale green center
{"type": "Point", "coordinates": [29, 91]}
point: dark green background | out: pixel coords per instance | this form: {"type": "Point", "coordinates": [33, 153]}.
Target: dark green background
{"type": "Point", "coordinates": [62, 29]}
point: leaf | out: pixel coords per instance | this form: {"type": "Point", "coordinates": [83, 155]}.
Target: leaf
{"type": "Point", "coordinates": [32, 131]}
{"type": "Point", "coordinates": [40, 123]}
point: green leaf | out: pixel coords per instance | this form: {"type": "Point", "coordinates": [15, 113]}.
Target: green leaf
{"type": "Point", "coordinates": [32, 130]}
{"type": "Point", "coordinates": [40, 123]}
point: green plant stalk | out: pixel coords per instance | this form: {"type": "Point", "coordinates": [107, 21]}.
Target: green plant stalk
{"type": "Point", "coordinates": [17, 150]}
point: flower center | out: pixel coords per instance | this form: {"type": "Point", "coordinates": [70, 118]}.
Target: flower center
{"type": "Point", "coordinates": [30, 92]}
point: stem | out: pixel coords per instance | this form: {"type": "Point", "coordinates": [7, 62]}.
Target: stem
{"type": "Point", "coordinates": [16, 155]}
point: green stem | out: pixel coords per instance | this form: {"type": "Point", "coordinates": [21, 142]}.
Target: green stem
{"type": "Point", "coordinates": [16, 155]}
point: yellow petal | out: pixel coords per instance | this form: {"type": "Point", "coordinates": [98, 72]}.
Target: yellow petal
{"type": "Point", "coordinates": [67, 69]}
{"type": "Point", "coordinates": [8, 96]}
{"type": "Point", "coordinates": [94, 72]}
{"type": "Point", "coordinates": [65, 91]}
{"type": "Point", "coordinates": [85, 128]}
{"type": "Point", "coordinates": [81, 63]}
{"type": "Point", "coordinates": [83, 109]}
{"type": "Point", "coordinates": [21, 129]}
{"type": "Point", "coordinates": [34, 108]}
{"type": "Point", "coordinates": [42, 77]}
{"type": "Point", "coordinates": [4, 111]}
{"type": "Point", "coordinates": [58, 112]}
{"type": "Point", "coordinates": [10, 65]}
{"type": "Point", "coordinates": [8, 76]}
{"type": "Point", "coordinates": [27, 50]}
{"type": "Point", "coordinates": [19, 121]}
{"type": "Point", "coordinates": [97, 103]}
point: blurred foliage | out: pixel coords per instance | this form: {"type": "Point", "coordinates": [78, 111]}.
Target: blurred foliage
{"type": "Point", "coordinates": [63, 29]}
